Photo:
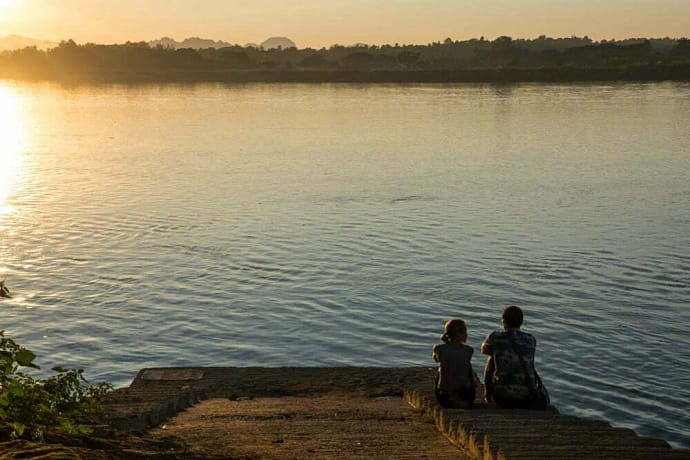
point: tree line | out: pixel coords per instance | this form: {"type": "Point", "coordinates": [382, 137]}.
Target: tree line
{"type": "Point", "coordinates": [502, 59]}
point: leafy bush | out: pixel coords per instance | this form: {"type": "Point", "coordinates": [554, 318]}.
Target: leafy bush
{"type": "Point", "coordinates": [29, 406]}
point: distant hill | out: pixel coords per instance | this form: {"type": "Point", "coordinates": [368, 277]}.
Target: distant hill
{"type": "Point", "coordinates": [15, 42]}
{"type": "Point", "coordinates": [278, 42]}
{"type": "Point", "coordinates": [191, 42]}
{"type": "Point", "coordinates": [204, 43]}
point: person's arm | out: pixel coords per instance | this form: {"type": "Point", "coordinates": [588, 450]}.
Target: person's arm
{"type": "Point", "coordinates": [489, 370]}
{"type": "Point", "coordinates": [487, 346]}
{"type": "Point", "coordinates": [434, 353]}
{"type": "Point", "coordinates": [473, 375]}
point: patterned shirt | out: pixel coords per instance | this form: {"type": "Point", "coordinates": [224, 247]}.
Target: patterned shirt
{"type": "Point", "coordinates": [509, 378]}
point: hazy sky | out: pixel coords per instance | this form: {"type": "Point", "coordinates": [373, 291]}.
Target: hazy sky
{"type": "Point", "coordinates": [317, 23]}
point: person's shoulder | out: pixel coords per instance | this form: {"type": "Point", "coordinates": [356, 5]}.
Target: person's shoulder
{"type": "Point", "coordinates": [491, 337]}
{"type": "Point", "coordinates": [525, 334]}
{"type": "Point", "coordinates": [498, 333]}
{"type": "Point", "coordinates": [495, 333]}
{"type": "Point", "coordinates": [527, 337]}
{"type": "Point", "coordinates": [488, 343]}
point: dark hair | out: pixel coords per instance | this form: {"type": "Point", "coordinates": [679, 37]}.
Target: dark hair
{"type": "Point", "coordinates": [512, 316]}
{"type": "Point", "coordinates": [452, 328]}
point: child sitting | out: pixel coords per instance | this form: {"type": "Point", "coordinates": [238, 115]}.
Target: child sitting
{"type": "Point", "coordinates": [456, 382]}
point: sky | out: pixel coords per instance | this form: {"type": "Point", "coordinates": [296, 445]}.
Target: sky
{"type": "Point", "coordinates": [322, 23]}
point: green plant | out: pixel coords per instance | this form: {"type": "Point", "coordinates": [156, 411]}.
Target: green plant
{"type": "Point", "coordinates": [29, 406]}
{"type": "Point", "coordinates": [4, 291]}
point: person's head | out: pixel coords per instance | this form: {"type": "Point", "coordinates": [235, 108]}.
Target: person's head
{"type": "Point", "coordinates": [454, 330]}
{"type": "Point", "coordinates": [512, 317]}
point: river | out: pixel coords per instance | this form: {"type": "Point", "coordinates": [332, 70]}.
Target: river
{"type": "Point", "coordinates": [330, 225]}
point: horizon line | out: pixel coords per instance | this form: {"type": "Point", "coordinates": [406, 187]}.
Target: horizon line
{"type": "Point", "coordinates": [353, 44]}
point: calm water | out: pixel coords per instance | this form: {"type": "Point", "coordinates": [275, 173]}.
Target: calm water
{"type": "Point", "coordinates": [332, 225]}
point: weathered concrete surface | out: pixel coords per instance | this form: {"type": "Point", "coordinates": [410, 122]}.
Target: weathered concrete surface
{"type": "Point", "coordinates": [482, 432]}
{"type": "Point", "coordinates": [157, 394]}
{"type": "Point", "coordinates": [495, 434]}
{"type": "Point", "coordinates": [330, 426]}
{"type": "Point", "coordinates": [282, 413]}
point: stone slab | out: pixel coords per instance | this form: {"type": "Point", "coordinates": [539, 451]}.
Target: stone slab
{"type": "Point", "coordinates": [172, 374]}
{"type": "Point", "coordinates": [482, 432]}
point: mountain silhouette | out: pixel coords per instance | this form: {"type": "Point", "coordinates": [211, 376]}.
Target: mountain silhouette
{"type": "Point", "coordinates": [191, 42]}
{"type": "Point", "coordinates": [278, 42]}
{"type": "Point", "coordinates": [15, 42]}
{"type": "Point", "coordinates": [203, 43]}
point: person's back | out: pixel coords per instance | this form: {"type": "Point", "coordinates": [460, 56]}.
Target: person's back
{"type": "Point", "coordinates": [455, 370]}
{"type": "Point", "coordinates": [455, 384]}
{"type": "Point", "coordinates": [510, 377]}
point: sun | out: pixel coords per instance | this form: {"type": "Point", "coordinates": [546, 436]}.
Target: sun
{"type": "Point", "coordinates": [6, 7]}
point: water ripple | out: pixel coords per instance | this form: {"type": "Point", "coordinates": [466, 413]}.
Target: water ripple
{"type": "Point", "coordinates": [224, 243]}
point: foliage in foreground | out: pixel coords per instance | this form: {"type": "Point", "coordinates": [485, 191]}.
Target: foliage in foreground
{"type": "Point", "coordinates": [30, 406]}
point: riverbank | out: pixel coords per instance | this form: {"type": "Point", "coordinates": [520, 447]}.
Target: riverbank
{"type": "Point", "coordinates": [210, 413]}
{"type": "Point", "coordinates": [482, 432]}
{"type": "Point", "coordinates": [561, 74]}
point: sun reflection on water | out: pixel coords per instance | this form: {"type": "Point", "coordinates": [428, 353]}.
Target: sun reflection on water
{"type": "Point", "coordinates": [11, 140]}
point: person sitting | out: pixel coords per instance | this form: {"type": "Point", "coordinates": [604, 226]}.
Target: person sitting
{"type": "Point", "coordinates": [455, 382]}
{"type": "Point", "coordinates": [510, 379]}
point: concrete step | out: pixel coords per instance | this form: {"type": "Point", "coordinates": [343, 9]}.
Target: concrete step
{"type": "Point", "coordinates": [491, 434]}
{"type": "Point", "coordinates": [482, 432]}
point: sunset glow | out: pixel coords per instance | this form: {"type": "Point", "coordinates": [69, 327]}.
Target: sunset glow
{"type": "Point", "coordinates": [10, 144]}
{"type": "Point", "coordinates": [322, 23]}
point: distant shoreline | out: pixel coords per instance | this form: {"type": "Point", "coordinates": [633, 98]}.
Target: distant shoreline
{"type": "Point", "coordinates": [503, 60]}
{"type": "Point", "coordinates": [642, 73]}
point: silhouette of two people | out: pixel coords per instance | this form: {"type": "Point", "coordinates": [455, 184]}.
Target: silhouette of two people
{"type": "Point", "coordinates": [510, 378]}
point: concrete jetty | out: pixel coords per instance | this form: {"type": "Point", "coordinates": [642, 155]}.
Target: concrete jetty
{"type": "Point", "coordinates": [157, 395]}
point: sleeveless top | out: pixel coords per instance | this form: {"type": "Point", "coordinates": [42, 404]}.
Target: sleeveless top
{"type": "Point", "coordinates": [454, 368]}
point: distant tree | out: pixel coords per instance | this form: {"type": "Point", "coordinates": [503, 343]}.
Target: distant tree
{"type": "Point", "coordinates": [503, 51]}
{"type": "Point", "coordinates": [30, 60]}
{"type": "Point", "coordinates": [580, 58]}
{"type": "Point", "coordinates": [358, 60]}
{"type": "Point", "coordinates": [187, 57]}
{"type": "Point", "coordinates": [313, 60]}
{"type": "Point", "coordinates": [408, 58]}
{"type": "Point", "coordinates": [236, 59]}
{"type": "Point", "coordinates": [551, 57]}
{"type": "Point", "coordinates": [502, 43]}
{"type": "Point", "coordinates": [386, 61]}
{"type": "Point", "coordinates": [681, 49]}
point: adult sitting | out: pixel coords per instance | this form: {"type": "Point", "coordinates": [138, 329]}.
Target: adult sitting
{"type": "Point", "coordinates": [510, 379]}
